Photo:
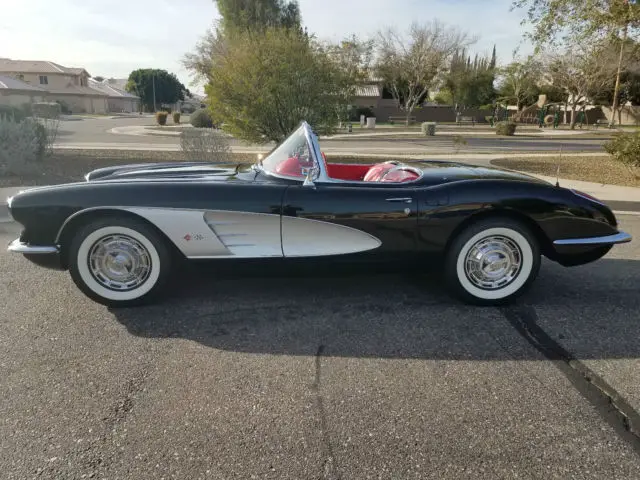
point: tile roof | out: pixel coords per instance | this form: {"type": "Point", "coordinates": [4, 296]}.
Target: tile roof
{"type": "Point", "coordinates": [36, 66]}
{"type": "Point", "coordinates": [10, 83]}
{"type": "Point", "coordinates": [77, 90]}
{"type": "Point", "coordinates": [110, 90]}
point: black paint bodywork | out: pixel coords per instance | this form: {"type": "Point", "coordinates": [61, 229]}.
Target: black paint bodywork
{"type": "Point", "coordinates": [442, 202]}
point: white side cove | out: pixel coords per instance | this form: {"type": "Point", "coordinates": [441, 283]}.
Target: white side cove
{"type": "Point", "coordinates": [302, 237]}
{"type": "Point", "coordinates": [223, 234]}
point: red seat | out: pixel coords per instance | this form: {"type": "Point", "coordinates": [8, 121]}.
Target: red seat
{"type": "Point", "coordinates": [376, 172]}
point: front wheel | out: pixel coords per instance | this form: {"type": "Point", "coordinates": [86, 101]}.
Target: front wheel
{"type": "Point", "coordinates": [492, 262]}
{"type": "Point", "coordinates": [119, 262]}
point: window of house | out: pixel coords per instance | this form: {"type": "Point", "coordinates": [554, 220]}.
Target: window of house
{"type": "Point", "coordinates": [44, 80]}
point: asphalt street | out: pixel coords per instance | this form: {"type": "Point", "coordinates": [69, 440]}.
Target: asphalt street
{"type": "Point", "coordinates": [256, 373]}
{"type": "Point", "coordinates": [97, 130]}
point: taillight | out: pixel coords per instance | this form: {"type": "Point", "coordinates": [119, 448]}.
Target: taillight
{"type": "Point", "coordinates": [587, 196]}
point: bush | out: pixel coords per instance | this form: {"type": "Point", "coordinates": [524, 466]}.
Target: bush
{"type": "Point", "coordinates": [505, 128]}
{"type": "Point", "coordinates": [205, 145]}
{"type": "Point", "coordinates": [12, 113]}
{"type": "Point", "coordinates": [64, 108]}
{"type": "Point", "coordinates": [625, 147]}
{"type": "Point", "coordinates": [429, 128]}
{"type": "Point", "coordinates": [22, 145]}
{"type": "Point", "coordinates": [46, 110]}
{"type": "Point", "coordinates": [161, 118]}
{"type": "Point", "coordinates": [201, 119]}
{"type": "Point", "coordinates": [176, 117]}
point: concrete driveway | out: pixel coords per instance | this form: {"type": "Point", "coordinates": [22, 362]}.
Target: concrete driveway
{"type": "Point", "coordinates": [246, 373]}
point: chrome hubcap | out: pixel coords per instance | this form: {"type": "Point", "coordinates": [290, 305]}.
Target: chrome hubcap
{"type": "Point", "coordinates": [493, 262]}
{"type": "Point", "coordinates": [119, 262]}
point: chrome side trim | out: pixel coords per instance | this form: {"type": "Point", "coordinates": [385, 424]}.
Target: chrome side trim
{"type": "Point", "coordinates": [20, 247]}
{"type": "Point", "coordinates": [620, 237]}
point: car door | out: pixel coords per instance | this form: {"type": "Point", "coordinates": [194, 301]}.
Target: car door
{"type": "Point", "coordinates": [348, 218]}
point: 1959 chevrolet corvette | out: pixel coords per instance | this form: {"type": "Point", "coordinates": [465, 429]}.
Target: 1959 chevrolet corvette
{"type": "Point", "coordinates": [121, 231]}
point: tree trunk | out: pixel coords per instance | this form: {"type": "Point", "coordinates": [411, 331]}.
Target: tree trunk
{"type": "Point", "coordinates": [566, 110]}
{"type": "Point", "coordinates": [408, 117]}
{"type": "Point", "coordinates": [573, 117]}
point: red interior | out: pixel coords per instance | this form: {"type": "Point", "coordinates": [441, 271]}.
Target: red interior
{"type": "Point", "coordinates": [380, 172]}
{"type": "Point", "coordinates": [347, 171]}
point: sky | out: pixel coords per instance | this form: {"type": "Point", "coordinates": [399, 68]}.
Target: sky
{"type": "Point", "coordinates": [111, 38]}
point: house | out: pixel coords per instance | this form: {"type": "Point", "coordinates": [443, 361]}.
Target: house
{"type": "Point", "coordinates": [118, 99]}
{"type": "Point", "coordinates": [68, 86]}
{"type": "Point", "coordinates": [16, 92]}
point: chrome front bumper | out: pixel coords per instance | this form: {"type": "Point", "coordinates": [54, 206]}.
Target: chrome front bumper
{"type": "Point", "coordinates": [620, 237]}
{"type": "Point", "coordinates": [20, 247]}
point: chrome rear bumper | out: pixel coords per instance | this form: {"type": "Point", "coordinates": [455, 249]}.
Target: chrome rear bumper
{"type": "Point", "coordinates": [620, 237]}
{"type": "Point", "coordinates": [20, 247]}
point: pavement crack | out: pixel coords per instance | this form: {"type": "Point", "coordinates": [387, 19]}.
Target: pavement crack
{"type": "Point", "coordinates": [610, 405]}
{"type": "Point", "coordinates": [330, 469]}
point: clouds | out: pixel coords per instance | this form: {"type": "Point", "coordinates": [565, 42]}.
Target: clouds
{"type": "Point", "coordinates": [111, 38]}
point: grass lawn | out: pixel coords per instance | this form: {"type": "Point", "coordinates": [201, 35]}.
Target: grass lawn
{"type": "Point", "coordinates": [602, 169]}
{"type": "Point", "coordinates": [71, 165]}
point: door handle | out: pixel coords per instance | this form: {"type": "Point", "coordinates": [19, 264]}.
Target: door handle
{"type": "Point", "coordinates": [401, 200]}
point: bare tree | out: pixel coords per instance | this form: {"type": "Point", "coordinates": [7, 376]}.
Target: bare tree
{"type": "Point", "coordinates": [518, 82]}
{"type": "Point", "coordinates": [409, 64]}
{"type": "Point", "coordinates": [581, 73]}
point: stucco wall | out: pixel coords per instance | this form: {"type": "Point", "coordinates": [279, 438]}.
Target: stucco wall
{"type": "Point", "coordinates": [18, 99]}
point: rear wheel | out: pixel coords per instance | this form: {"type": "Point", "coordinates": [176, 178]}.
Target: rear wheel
{"type": "Point", "coordinates": [119, 262]}
{"type": "Point", "coordinates": [492, 262]}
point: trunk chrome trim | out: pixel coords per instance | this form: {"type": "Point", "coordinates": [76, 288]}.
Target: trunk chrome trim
{"type": "Point", "coordinates": [620, 237]}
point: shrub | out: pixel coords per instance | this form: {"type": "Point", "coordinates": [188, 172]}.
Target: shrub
{"type": "Point", "coordinates": [64, 108]}
{"type": "Point", "coordinates": [625, 147]}
{"type": "Point", "coordinates": [429, 128]}
{"type": "Point", "coordinates": [205, 145]}
{"type": "Point", "coordinates": [201, 119]}
{"type": "Point", "coordinates": [176, 117]}
{"type": "Point", "coordinates": [161, 118]}
{"type": "Point", "coordinates": [12, 113]}
{"type": "Point", "coordinates": [46, 109]}
{"type": "Point", "coordinates": [506, 128]}
{"type": "Point", "coordinates": [22, 145]}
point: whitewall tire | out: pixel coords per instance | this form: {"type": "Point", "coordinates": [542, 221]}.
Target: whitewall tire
{"type": "Point", "coordinates": [119, 262]}
{"type": "Point", "coordinates": [492, 262]}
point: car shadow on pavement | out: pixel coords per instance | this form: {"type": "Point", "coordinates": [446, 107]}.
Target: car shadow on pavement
{"type": "Point", "coordinates": [595, 308]}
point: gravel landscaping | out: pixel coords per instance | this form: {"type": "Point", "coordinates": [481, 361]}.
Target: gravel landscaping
{"type": "Point", "coordinates": [602, 169]}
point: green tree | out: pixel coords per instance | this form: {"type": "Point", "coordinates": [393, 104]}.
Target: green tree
{"type": "Point", "coordinates": [584, 21]}
{"type": "Point", "coordinates": [155, 87]}
{"type": "Point", "coordinates": [238, 17]}
{"type": "Point", "coordinates": [470, 84]}
{"type": "Point", "coordinates": [267, 82]}
{"type": "Point", "coordinates": [252, 15]}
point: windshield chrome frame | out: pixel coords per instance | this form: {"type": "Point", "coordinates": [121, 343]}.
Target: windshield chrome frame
{"type": "Point", "coordinates": [316, 154]}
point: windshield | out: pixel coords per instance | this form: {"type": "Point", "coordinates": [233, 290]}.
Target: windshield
{"type": "Point", "coordinates": [292, 158]}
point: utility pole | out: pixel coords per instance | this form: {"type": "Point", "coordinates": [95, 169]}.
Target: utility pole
{"type": "Point", "coordinates": [616, 90]}
{"type": "Point", "coordinates": [153, 81]}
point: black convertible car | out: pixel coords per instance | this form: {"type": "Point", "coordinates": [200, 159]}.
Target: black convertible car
{"type": "Point", "coordinates": [121, 232]}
